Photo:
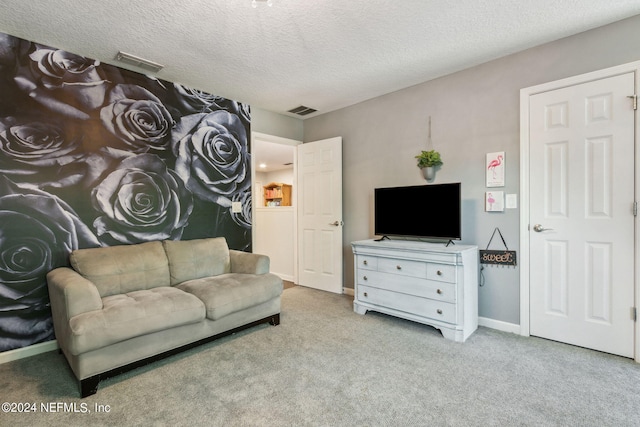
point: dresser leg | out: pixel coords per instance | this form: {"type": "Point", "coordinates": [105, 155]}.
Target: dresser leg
{"type": "Point", "coordinates": [358, 308]}
{"type": "Point", "coordinates": [452, 335]}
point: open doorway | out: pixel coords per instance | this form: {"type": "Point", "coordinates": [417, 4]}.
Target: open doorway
{"type": "Point", "coordinates": [274, 202]}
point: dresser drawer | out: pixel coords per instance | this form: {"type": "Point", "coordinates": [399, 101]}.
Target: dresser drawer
{"type": "Point", "coordinates": [441, 272]}
{"type": "Point", "coordinates": [367, 262]}
{"type": "Point", "coordinates": [403, 267]}
{"type": "Point", "coordinates": [408, 285]}
{"type": "Point", "coordinates": [437, 310]}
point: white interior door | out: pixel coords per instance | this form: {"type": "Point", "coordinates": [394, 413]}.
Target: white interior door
{"type": "Point", "coordinates": [320, 263]}
{"type": "Point", "coordinates": [581, 238]}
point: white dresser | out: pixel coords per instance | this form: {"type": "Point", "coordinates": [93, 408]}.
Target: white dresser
{"type": "Point", "coordinates": [425, 282]}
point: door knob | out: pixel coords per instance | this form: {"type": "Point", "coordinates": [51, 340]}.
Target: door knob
{"type": "Point", "coordinates": [336, 223]}
{"type": "Point", "coordinates": [539, 228]}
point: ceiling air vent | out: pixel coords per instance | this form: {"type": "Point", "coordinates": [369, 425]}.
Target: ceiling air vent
{"type": "Point", "coordinates": [130, 59]}
{"type": "Point", "coordinates": [302, 110]}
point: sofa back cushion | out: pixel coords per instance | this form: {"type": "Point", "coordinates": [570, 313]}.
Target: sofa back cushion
{"type": "Point", "coordinates": [121, 269]}
{"type": "Point", "coordinates": [198, 258]}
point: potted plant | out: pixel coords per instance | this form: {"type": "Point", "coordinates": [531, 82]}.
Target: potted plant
{"type": "Point", "coordinates": [428, 161]}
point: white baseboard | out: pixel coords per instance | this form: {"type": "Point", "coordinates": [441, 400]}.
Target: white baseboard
{"type": "Point", "coordinates": [32, 350]}
{"type": "Point", "coordinates": [348, 291]}
{"type": "Point", "coordinates": [287, 277]}
{"type": "Point", "coordinates": [499, 325]}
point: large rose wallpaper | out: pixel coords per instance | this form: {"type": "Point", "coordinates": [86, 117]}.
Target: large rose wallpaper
{"type": "Point", "coordinates": [94, 155]}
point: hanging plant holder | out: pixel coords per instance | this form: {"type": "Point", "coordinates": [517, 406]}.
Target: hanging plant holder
{"type": "Point", "coordinates": [429, 173]}
{"type": "Point", "coordinates": [429, 161]}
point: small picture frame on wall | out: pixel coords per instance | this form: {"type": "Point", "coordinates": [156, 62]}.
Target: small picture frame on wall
{"type": "Point", "coordinates": [494, 201]}
{"type": "Point", "coordinates": [494, 169]}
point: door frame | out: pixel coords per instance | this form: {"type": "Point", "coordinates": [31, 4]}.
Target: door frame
{"type": "Point", "coordinates": [524, 186]}
{"type": "Point", "coordinates": [294, 191]}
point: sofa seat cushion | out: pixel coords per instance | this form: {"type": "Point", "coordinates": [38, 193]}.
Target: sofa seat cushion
{"type": "Point", "coordinates": [133, 314]}
{"type": "Point", "coordinates": [228, 293]}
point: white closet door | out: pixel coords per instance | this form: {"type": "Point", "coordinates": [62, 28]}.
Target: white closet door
{"type": "Point", "coordinates": [581, 215]}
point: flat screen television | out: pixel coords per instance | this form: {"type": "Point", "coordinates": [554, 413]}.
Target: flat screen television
{"type": "Point", "coordinates": [422, 211]}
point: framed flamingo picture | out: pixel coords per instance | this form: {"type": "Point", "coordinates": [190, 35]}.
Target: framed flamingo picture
{"type": "Point", "coordinates": [494, 169]}
{"type": "Point", "coordinates": [494, 201]}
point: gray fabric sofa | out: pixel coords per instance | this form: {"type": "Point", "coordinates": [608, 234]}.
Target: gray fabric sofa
{"type": "Point", "coordinates": [121, 307]}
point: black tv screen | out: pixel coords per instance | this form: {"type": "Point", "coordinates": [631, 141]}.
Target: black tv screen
{"type": "Point", "coordinates": [425, 211]}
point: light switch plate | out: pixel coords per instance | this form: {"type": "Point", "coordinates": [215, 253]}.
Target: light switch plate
{"type": "Point", "coordinates": [236, 207]}
{"type": "Point", "coordinates": [512, 201]}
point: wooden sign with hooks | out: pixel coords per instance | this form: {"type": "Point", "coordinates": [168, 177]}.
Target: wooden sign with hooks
{"type": "Point", "coordinates": [498, 257]}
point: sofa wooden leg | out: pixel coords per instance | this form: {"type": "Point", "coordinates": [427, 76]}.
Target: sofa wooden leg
{"type": "Point", "coordinates": [89, 386]}
{"type": "Point", "coordinates": [275, 320]}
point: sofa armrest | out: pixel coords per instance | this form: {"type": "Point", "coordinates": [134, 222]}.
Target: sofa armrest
{"type": "Point", "coordinates": [248, 263]}
{"type": "Point", "coordinates": [71, 294]}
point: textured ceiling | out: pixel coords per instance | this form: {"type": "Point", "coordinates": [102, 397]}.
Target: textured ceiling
{"type": "Point", "coordinates": [325, 54]}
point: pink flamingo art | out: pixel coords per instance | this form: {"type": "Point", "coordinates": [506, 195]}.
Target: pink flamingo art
{"type": "Point", "coordinates": [494, 164]}
{"type": "Point", "coordinates": [491, 201]}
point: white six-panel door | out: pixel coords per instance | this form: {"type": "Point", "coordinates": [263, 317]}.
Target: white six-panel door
{"type": "Point", "coordinates": [581, 231]}
{"type": "Point", "coordinates": [320, 215]}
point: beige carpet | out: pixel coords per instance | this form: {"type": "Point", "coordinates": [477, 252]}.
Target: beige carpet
{"type": "Point", "coordinates": [324, 365]}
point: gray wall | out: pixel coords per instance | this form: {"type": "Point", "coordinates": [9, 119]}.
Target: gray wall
{"type": "Point", "coordinates": [275, 124]}
{"type": "Point", "coordinates": [473, 112]}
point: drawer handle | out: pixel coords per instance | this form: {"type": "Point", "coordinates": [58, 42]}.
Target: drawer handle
{"type": "Point", "coordinates": [398, 267]}
{"type": "Point", "coordinates": [439, 311]}
{"type": "Point", "coordinates": [439, 291]}
{"type": "Point", "coordinates": [365, 278]}
{"type": "Point", "coordinates": [366, 294]}
{"type": "Point", "coordinates": [439, 273]}
{"type": "Point", "coordinates": [365, 262]}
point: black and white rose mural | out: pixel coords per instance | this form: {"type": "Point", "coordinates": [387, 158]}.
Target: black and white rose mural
{"type": "Point", "coordinates": [94, 155]}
